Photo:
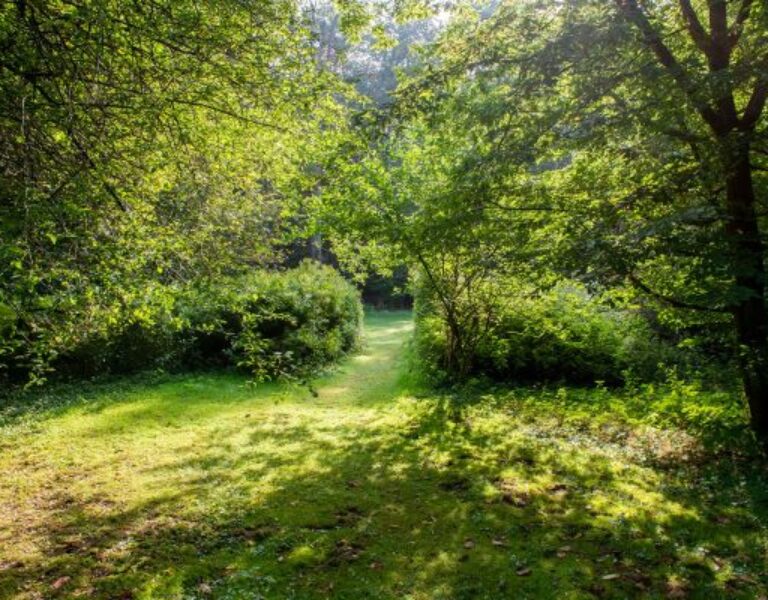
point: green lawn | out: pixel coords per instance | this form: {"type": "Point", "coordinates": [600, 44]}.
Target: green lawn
{"type": "Point", "coordinates": [200, 486]}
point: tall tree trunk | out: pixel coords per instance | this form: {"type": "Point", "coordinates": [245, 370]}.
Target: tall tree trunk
{"type": "Point", "coordinates": [747, 255]}
{"type": "Point", "coordinates": [734, 133]}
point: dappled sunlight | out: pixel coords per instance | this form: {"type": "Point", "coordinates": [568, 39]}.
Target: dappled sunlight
{"type": "Point", "coordinates": [384, 300]}
{"type": "Point", "coordinates": [364, 358]}
{"type": "Point", "coordinates": [271, 491]}
{"type": "Point", "coordinates": [375, 333]}
{"type": "Point", "coordinates": [335, 391]}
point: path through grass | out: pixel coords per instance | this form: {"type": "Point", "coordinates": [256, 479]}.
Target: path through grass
{"type": "Point", "coordinates": [201, 487]}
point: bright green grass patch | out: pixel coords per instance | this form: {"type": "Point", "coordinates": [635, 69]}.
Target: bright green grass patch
{"type": "Point", "coordinates": [204, 487]}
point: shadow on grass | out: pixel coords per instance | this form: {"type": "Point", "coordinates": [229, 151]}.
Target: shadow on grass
{"type": "Point", "coordinates": [451, 503]}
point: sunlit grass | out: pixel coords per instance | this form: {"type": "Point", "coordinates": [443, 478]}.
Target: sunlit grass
{"type": "Point", "coordinates": [201, 486]}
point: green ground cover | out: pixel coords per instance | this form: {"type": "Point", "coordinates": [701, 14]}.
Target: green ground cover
{"type": "Point", "coordinates": [362, 486]}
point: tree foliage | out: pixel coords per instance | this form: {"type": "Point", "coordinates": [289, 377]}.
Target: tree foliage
{"type": "Point", "coordinates": [620, 143]}
{"type": "Point", "coordinates": [618, 148]}
{"type": "Point", "coordinates": [146, 144]}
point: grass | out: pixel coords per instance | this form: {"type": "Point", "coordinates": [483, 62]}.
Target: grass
{"type": "Point", "coordinates": [200, 486]}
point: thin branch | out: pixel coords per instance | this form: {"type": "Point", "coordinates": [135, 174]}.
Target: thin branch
{"type": "Point", "coordinates": [229, 113]}
{"type": "Point", "coordinates": [670, 300]}
{"type": "Point", "coordinates": [500, 206]}
{"type": "Point", "coordinates": [108, 187]}
{"type": "Point", "coordinates": [64, 182]}
{"type": "Point", "coordinates": [684, 135]}
{"type": "Point", "coordinates": [738, 25]}
{"type": "Point", "coordinates": [755, 106]}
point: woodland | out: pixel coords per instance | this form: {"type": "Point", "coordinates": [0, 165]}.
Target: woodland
{"type": "Point", "coordinates": [387, 299]}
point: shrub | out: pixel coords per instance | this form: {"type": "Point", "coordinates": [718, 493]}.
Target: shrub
{"type": "Point", "coordinates": [136, 333]}
{"type": "Point", "coordinates": [274, 324]}
{"type": "Point", "coordinates": [269, 323]}
{"type": "Point", "coordinates": [566, 334]}
{"type": "Point", "coordinates": [507, 332]}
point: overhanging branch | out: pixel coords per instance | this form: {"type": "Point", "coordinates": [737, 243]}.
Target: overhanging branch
{"type": "Point", "coordinates": [676, 303]}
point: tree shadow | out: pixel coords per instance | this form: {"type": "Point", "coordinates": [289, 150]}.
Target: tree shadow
{"type": "Point", "coordinates": [449, 503]}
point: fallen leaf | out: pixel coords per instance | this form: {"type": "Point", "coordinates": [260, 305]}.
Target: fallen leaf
{"type": "Point", "coordinates": [611, 576]}
{"type": "Point", "coordinates": [60, 582]}
{"type": "Point", "coordinates": [676, 591]}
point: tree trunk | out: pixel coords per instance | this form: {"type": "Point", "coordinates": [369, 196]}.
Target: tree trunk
{"type": "Point", "coordinates": [747, 256]}
{"type": "Point", "coordinates": [454, 347]}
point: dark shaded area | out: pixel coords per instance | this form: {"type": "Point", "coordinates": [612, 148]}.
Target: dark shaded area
{"type": "Point", "coordinates": [390, 293]}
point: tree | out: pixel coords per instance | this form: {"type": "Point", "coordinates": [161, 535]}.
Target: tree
{"type": "Point", "coordinates": [144, 144]}
{"type": "Point", "coordinates": [663, 125]}
{"type": "Point", "coordinates": [732, 131]}
{"type": "Point", "coordinates": [626, 140]}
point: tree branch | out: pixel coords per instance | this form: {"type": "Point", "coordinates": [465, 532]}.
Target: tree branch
{"type": "Point", "coordinates": [229, 113]}
{"type": "Point", "coordinates": [108, 187]}
{"type": "Point", "coordinates": [541, 208]}
{"type": "Point", "coordinates": [697, 32]}
{"type": "Point", "coordinates": [718, 24]}
{"type": "Point", "coordinates": [738, 25]}
{"type": "Point", "coordinates": [755, 106]}
{"type": "Point", "coordinates": [682, 134]}
{"type": "Point", "coordinates": [663, 54]}
{"type": "Point", "coordinates": [670, 300]}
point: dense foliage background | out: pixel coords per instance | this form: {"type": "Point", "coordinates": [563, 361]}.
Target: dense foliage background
{"type": "Point", "coordinates": [147, 150]}
{"type": "Point", "coordinates": [616, 147]}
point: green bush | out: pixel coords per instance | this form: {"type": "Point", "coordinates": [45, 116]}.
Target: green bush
{"type": "Point", "coordinates": [519, 335]}
{"type": "Point", "coordinates": [565, 334]}
{"type": "Point", "coordinates": [274, 324]}
{"type": "Point", "coordinates": [135, 334]}
{"type": "Point", "coordinates": [269, 323]}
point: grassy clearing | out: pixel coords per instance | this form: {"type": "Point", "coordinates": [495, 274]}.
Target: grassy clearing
{"type": "Point", "coordinates": [202, 487]}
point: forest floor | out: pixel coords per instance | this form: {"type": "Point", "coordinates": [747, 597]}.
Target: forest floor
{"type": "Point", "coordinates": [200, 486]}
